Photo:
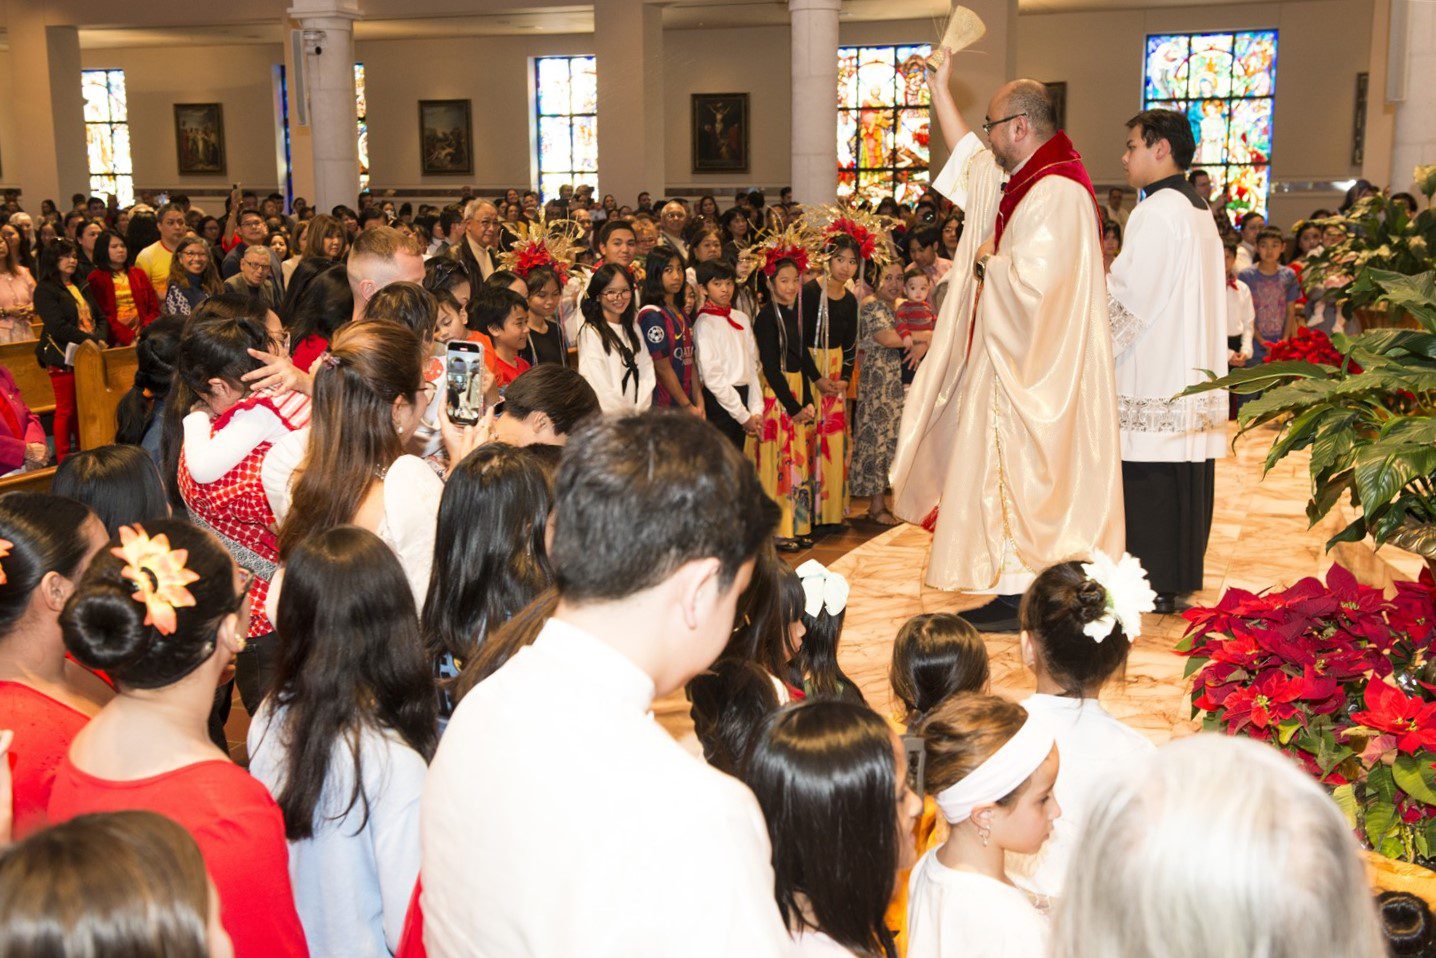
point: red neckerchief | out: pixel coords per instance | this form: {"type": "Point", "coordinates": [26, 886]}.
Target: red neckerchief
{"type": "Point", "coordinates": [1056, 157]}
{"type": "Point", "coordinates": [725, 311]}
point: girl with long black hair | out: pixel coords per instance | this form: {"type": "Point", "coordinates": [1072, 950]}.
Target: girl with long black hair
{"type": "Point", "coordinates": [344, 740]}
{"type": "Point", "coordinates": [832, 781]}
{"type": "Point", "coordinates": [611, 354]}
{"type": "Point", "coordinates": [668, 332]}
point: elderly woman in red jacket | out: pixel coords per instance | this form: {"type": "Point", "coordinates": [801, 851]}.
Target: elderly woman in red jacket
{"type": "Point", "coordinates": [125, 296]}
{"type": "Point", "coordinates": [22, 438]}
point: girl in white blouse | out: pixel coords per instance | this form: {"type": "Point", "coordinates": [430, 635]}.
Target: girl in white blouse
{"type": "Point", "coordinates": [991, 768]}
{"type": "Point", "coordinates": [1071, 668]}
{"type": "Point", "coordinates": [349, 466]}
{"type": "Point", "coordinates": [611, 354]}
{"type": "Point", "coordinates": [832, 780]}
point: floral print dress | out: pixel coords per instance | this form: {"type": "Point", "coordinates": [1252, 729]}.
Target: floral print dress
{"type": "Point", "coordinates": [880, 398]}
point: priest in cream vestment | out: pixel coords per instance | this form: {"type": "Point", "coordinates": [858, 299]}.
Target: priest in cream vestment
{"type": "Point", "coordinates": [1009, 447]}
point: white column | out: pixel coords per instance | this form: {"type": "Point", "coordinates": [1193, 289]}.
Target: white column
{"type": "Point", "coordinates": [329, 85]}
{"type": "Point", "coordinates": [815, 99]}
{"type": "Point", "coordinates": [1414, 134]}
{"type": "Point", "coordinates": [628, 47]}
{"type": "Point", "coordinates": [48, 159]}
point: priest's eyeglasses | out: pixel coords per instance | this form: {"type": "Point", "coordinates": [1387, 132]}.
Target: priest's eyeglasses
{"type": "Point", "coordinates": [987, 126]}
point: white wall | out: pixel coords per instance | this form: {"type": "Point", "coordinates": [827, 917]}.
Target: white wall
{"type": "Point", "coordinates": [1323, 45]}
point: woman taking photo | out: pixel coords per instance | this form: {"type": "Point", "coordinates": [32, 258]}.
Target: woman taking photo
{"type": "Point", "coordinates": [70, 315]}
{"type": "Point", "coordinates": [880, 395]}
{"type": "Point", "coordinates": [830, 328]}
{"type": "Point", "coordinates": [148, 749]}
{"type": "Point", "coordinates": [349, 467]}
{"type": "Point", "coordinates": [17, 294]}
{"type": "Point", "coordinates": [124, 294]}
{"type": "Point", "coordinates": [193, 277]}
{"type": "Point", "coordinates": [832, 781]}
{"type": "Point", "coordinates": [45, 698]}
{"type": "Point", "coordinates": [611, 354]}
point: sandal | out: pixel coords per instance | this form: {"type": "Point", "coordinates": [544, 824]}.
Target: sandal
{"type": "Point", "coordinates": [884, 518]}
{"type": "Point", "coordinates": [787, 545]}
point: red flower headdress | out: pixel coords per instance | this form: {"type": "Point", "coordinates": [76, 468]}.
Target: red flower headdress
{"type": "Point", "coordinates": [793, 243]}
{"type": "Point", "coordinates": [541, 243]}
{"type": "Point", "coordinates": [869, 230]}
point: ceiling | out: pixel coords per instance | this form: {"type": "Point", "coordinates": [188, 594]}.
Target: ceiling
{"type": "Point", "coordinates": [146, 23]}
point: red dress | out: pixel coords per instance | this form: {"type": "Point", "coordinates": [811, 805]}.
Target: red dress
{"type": "Point", "coordinates": [240, 833]}
{"type": "Point", "coordinates": [235, 507]}
{"type": "Point", "coordinates": [310, 348]}
{"type": "Point", "coordinates": [44, 728]}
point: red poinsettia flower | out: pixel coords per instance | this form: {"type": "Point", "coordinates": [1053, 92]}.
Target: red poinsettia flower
{"type": "Point", "coordinates": [1264, 703]}
{"type": "Point", "coordinates": [1388, 709]}
{"type": "Point", "coordinates": [1413, 611]}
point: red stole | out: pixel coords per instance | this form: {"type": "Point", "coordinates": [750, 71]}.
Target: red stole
{"type": "Point", "coordinates": [1056, 157]}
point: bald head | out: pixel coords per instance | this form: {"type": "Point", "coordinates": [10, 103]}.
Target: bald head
{"type": "Point", "coordinates": [1031, 98]}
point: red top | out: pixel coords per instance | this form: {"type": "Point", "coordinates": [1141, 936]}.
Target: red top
{"type": "Point", "coordinates": [503, 372]}
{"type": "Point", "coordinates": [142, 291]}
{"type": "Point", "coordinates": [240, 833]}
{"type": "Point", "coordinates": [310, 348]}
{"type": "Point", "coordinates": [18, 425]}
{"type": "Point", "coordinates": [44, 728]}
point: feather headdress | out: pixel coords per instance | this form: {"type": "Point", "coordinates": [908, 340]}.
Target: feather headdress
{"type": "Point", "coordinates": [555, 244]}
{"type": "Point", "coordinates": [870, 231]}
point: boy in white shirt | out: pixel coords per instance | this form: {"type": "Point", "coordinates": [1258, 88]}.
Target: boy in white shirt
{"type": "Point", "coordinates": [559, 818]}
{"type": "Point", "coordinates": [727, 357]}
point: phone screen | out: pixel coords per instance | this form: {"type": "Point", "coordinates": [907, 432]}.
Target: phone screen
{"type": "Point", "coordinates": [464, 380]}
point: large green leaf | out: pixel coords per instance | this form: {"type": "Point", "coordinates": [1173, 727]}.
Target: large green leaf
{"type": "Point", "coordinates": [1384, 342]}
{"type": "Point", "coordinates": [1413, 429]}
{"type": "Point", "coordinates": [1415, 294]}
{"type": "Point", "coordinates": [1415, 778]}
{"type": "Point", "coordinates": [1334, 444]}
{"type": "Point", "coordinates": [1419, 538]}
{"type": "Point", "coordinates": [1354, 532]}
{"type": "Point", "coordinates": [1251, 379]}
{"type": "Point", "coordinates": [1381, 825]}
{"type": "Point", "coordinates": [1345, 798]}
{"type": "Point", "coordinates": [1327, 494]}
{"type": "Point", "coordinates": [1383, 468]}
{"type": "Point", "coordinates": [1299, 394]}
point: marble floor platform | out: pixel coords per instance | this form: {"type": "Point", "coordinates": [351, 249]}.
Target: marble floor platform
{"type": "Point", "coordinates": [1259, 540]}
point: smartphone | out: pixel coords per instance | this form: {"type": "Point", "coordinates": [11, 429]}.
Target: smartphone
{"type": "Point", "coordinates": [464, 380]}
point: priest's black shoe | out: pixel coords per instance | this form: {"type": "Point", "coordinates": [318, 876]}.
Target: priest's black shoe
{"type": "Point", "coordinates": [999, 615]}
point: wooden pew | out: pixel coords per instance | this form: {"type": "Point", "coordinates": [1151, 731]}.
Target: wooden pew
{"type": "Point", "coordinates": [102, 377]}
{"type": "Point", "coordinates": [37, 480]}
{"type": "Point", "coordinates": [29, 375]}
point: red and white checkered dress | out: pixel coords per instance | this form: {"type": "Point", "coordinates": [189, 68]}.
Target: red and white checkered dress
{"type": "Point", "coordinates": [236, 508]}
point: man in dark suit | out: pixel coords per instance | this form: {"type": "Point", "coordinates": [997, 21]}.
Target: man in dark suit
{"type": "Point", "coordinates": [478, 249]}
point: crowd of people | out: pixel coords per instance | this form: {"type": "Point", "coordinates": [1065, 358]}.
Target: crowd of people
{"type": "Point", "coordinates": [458, 756]}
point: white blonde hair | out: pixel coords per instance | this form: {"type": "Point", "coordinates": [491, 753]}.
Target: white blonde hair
{"type": "Point", "coordinates": [1216, 846]}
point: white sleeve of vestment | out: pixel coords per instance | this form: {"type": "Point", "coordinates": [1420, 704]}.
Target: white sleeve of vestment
{"type": "Point", "coordinates": [952, 181]}
{"type": "Point", "coordinates": [749, 354]}
{"type": "Point", "coordinates": [209, 456]}
{"type": "Point", "coordinates": [1137, 286]}
{"type": "Point", "coordinates": [594, 366]}
{"type": "Point", "coordinates": [394, 783]}
{"type": "Point", "coordinates": [712, 344]}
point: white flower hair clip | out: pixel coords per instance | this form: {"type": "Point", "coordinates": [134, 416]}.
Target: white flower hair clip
{"type": "Point", "coordinates": [1129, 594]}
{"type": "Point", "coordinates": [822, 589]}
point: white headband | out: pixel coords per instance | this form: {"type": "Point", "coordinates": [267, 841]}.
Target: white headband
{"type": "Point", "coordinates": [999, 776]}
{"type": "Point", "coordinates": [822, 589]}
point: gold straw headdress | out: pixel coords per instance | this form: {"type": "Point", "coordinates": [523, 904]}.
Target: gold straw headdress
{"type": "Point", "coordinates": [795, 242]}
{"type": "Point", "coordinates": [870, 231]}
{"type": "Point", "coordinates": [555, 244]}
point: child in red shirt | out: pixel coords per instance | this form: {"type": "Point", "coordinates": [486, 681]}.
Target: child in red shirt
{"type": "Point", "coordinates": [504, 315]}
{"type": "Point", "coordinates": [915, 318]}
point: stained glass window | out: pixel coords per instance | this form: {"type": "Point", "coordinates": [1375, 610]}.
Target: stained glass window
{"type": "Point", "coordinates": [566, 116]}
{"type": "Point", "coordinates": [107, 134]}
{"type": "Point", "coordinates": [361, 103]}
{"type": "Point", "coordinates": [1224, 83]}
{"type": "Point", "coordinates": [883, 120]}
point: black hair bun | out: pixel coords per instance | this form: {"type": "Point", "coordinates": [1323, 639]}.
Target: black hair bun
{"type": "Point", "coordinates": [1091, 601]}
{"type": "Point", "coordinates": [1406, 920]}
{"type": "Point", "coordinates": [104, 627]}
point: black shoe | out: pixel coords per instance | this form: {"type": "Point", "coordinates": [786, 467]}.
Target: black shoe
{"type": "Point", "coordinates": [999, 615]}
{"type": "Point", "coordinates": [1168, 603]}
{"type": "Point", "coordinates": [805, 541]}
{"type": "Point", "coordinates": [787, 545]}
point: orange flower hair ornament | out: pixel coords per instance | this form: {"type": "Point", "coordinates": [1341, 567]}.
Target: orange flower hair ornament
{"type": "Point", "coordinates": [159, 576]}
{"type": "Point", "coordinates": [5, 546]}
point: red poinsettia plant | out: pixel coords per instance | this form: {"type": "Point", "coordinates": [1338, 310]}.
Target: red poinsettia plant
{"type": "Point", "coordinates": [1307, 345]}
{"type": "Point", "coordinates": [1341, 679]}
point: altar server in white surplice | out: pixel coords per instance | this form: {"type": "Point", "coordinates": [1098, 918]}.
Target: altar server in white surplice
{"type": "Point", "coordinates": [1008, 448]}
{"type": "Point", "coordinates": [1168, 312]}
